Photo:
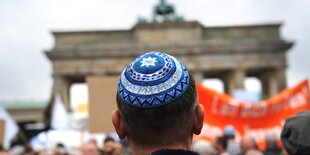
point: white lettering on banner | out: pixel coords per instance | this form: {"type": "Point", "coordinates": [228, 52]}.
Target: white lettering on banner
{"type": "Point", "coordinates": [297, 100]}
{"type": "Point", "coordinates": [229, 110]}
{"type": "Point", "coordinates": [214, 104]}
{"type": "Point", "coordinates": [226, 109]}
{"type": "Point", "coordinates": [290, 102]}
{"type": "Point", "coordinates": [254, 110]}
{"type": "Point", "coordinates": [277, 107]}
{"type": "Point", "coordinates": [305, 91]}
{"type": "Point", "coordinates": [262, 109]}
{"type": "Point", "coordinates": [293, 102]}
{"type": "Point", "coordinates": [234, 102]}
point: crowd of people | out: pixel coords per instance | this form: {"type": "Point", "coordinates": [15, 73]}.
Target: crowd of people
{"type": "Point", "coordinates": [227, 145]}
{"type": "Point", "coordinates": [222, 145]}
{"type": "Point", "coordinates": [91, 147]}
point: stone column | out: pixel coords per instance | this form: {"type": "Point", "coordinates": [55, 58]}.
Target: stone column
{"type": "Point", "coordinates": [61, 87]}
{"type": "Point", "coordinates": [281, 78]}
{"type": "Point", "coordinates": [198, 77]}
{"type": "Point", "coordinates": [269, 83]}
{"type": "Point", "coordinates": [234, 80]}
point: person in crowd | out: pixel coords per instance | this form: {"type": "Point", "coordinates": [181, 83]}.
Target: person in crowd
{"type": "Point", "coordinates": [247, 144]}
{"type": "Point", "coordinates": [203, 148]}
{"type": "Point", "coordinates": [94, 141]}
{"type": "Point", "coordinates": [157, 106]}
{"type": "Point", "coordinates": [233, 148]}
{"type": "Point", "coordinates": [29, 151]}
{"type": "Point", "coordinates": [17, 149]}
{"type": "Point", "coordinates": [60, 149]}
{"type": "Point", "coordinates": [220, 144]}
{"type": "Point", "coordinates": [272, 144]}
{"type": "Point", "coordinates": [22, 149]}
{"type": "Point", "coordinates": [295, 134]}
{"type": "Point", "coordinates": [111, 147]}
{"type": "Point", "coordinates": [90, 148]}
{"type": "Point", "coordinates": [3, 151]}
{"type": "Point", "coordinates": [118, 149]}
{"type": "Point", "coordinates": [108, 146]}
{"type": "Point", "coordinates": [253, 152]}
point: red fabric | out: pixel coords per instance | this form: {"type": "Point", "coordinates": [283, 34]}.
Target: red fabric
{"type": "Point", "coordinates": [254, 118]}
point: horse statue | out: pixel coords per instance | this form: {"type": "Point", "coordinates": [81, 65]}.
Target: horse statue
{"type": "Point", "coordinates": [166, 11]}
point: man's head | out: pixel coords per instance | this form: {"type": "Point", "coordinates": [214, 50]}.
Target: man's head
{"type": "Point", "coordinates": [295, 135]}
{"type": "Point", "coordinates": [157, 103]}
{"type": "Point", "coordinates": [248, 143]}
{"type": "Point", "coordinates": [229, 132]}
{"type": "Point", "coordinates": [271, 140]}
{"type": "Point", "coordinates": [90, 148]}
{"type": "Point", "coordinates": [108, 145]}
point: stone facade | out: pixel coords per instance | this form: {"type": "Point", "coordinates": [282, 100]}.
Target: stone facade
{"type": "Point", "coordinates": [229, 53]}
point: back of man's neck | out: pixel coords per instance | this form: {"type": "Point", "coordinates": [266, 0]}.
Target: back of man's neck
{"type": "Point", "coordinates": [146, 151]}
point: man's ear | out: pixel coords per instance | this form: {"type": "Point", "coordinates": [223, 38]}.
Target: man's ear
{"type": "Point", "coordinates": [118, 124]}
{"type": "Point", "coordinates": [198, 119]}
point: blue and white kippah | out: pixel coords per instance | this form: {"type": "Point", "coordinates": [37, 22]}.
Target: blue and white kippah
{"type": "Point", "coordinates": [153, 79]}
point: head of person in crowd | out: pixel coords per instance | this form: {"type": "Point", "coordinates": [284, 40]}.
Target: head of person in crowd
{"type": "Point", "coordinates": [272, 147]}
{"type": "Point", "coordinates": [3, 151]}
{"type": "Point", "coordinates": [271, 140]}
{"type": "Point", "coordinates": [29, 151]}
{"type": "Point", "coordinates": [220, 144]}
{"type": "Point", "coordinates": [203, 148]}
{"type": "Point", "coordinates": [253, 152]}
{"type": "Point", "coordinates": [90, 148]}
{"type": "Point", "coordinates": [93, 140]}
{"type": "Point", "coordinates": [295, 135]}
{"type": "Point", "coordinates": [233, 148]}
{"type": "Point", "coordinates": [60, 149]}
{"type": "Point", "coordinates": [157, 105]}
{"type": "Point", "coordinates": [229, 132]}
{"type": "Point", "coordinates": [1, 147]}
{"type": "Point", "coordinates": [108, 145]}
{"type": "Point", "coordinates": [117, 149]}
{"type": "Point", "coordinates": [248, 143]}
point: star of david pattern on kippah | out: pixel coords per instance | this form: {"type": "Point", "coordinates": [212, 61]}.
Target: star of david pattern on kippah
{"type": "Point", "coordinates": [154, 79]}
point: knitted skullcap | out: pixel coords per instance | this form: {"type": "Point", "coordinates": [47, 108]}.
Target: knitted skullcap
{"type": "Point", "coordinates": [153, 79]}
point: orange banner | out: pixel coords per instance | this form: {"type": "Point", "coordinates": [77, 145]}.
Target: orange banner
{"type": "Point", "coordinates": [250, 118]}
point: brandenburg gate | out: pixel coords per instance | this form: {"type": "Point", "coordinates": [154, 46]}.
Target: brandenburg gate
{"type": "Point", "coordinates": [229, 53]}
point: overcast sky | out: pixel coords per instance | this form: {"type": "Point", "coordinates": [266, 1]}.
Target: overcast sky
{"type": "Point", "coordinates": [25, 32]}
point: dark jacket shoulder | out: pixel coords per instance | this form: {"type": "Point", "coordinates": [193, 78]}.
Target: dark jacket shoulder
{"type": "Point", "coordinates": [174, 152]}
